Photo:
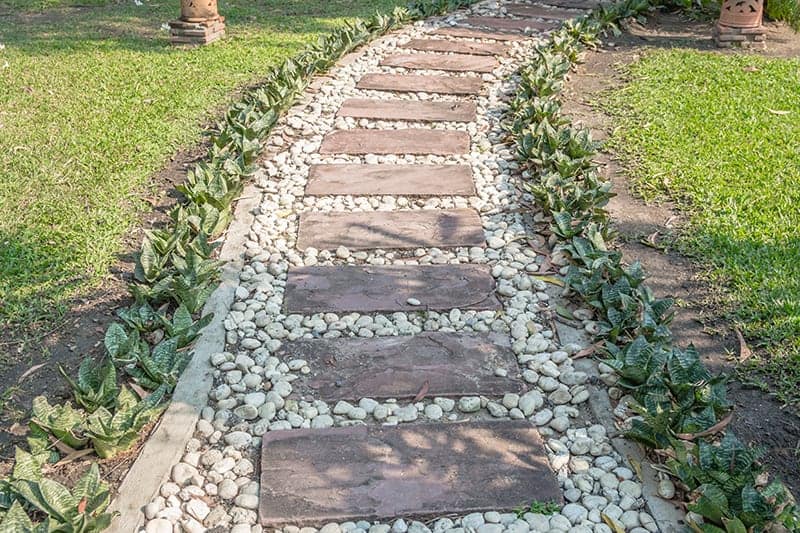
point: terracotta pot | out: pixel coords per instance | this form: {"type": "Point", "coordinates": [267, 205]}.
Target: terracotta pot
{"type": "Point", "coordinates": [199, 10]}
{"type": "Point", "coordinates": [741, 13]}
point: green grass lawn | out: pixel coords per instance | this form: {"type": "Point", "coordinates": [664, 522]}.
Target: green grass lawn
{"type": "Point", "coordinates": [721, 135]}
{"type": "Point", "coordinates": [93, 101]}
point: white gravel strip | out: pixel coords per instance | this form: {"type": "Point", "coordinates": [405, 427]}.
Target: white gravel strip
{"type": "Point", "coordinates": [215, 484]}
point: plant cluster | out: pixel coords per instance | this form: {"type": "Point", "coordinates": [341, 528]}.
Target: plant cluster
{"type": "Point", "coordinates": [174, 275]}
{"type": "Point", "coordinates": [682, 409]}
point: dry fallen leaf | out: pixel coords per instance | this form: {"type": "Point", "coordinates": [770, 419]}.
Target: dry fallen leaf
{"type": "Point", "coordinates": [716, 428]}
{"type": "Point", "coordinates": [422, 392]}
{"type": "Point", "coordinates": [30, 371]}
{"type": "Point", "coordinates": [74, 455]}
{"type": "Point", "coordinates": [745, 352]}
{"type": "Point", "coordinates": [778, 111]}
{"type": "Point", "coordinates": [550, 279]}
{"type": "Point", "coordinates": [751, 68]}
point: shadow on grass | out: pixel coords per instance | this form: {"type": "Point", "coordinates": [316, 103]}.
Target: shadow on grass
{"type": "Point", "coordinates": [141, 28]}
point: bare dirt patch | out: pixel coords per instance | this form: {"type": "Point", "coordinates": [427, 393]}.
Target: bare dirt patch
{"type": "Point", "coordinates": [647, 229]}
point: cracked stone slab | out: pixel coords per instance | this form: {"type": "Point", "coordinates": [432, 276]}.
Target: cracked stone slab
{"type": "Point", "coordinates": [470, 33]}
{"type": "Point", "coordinates": [457, 47]}
{"type": "Point", "coordinates": [509, 25]}
{"type": "Point", "coordinates": [408, 110]}
{"type": "Point", "coordinates": [401, 180]}
{"type": "Point", "coordinates": [538, 11]}
{"type": "Point", "coordinates": [410, 83]}
{"type": "Point", "coordinates": [448, 364]}
{"type": "Point", "coordinates": [375, 289]}
{"type": "Point", "coordinates": [385, 230]}
{"type": "Point", "coordinates": [405, 141]}
{"type": "Point", "coordinates": [317, 476]}
{"type": "Point", "coordinates": [451, 63]}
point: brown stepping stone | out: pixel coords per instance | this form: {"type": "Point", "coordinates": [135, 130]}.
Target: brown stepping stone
{"type": "Point", "coordinates": [316, 476]}
{"type": "Point", "coordinates": [408, 110]}
{"type": "Point", "coordinates": [507, 24]}
{"type": "Point", "coordinates": [452, 63]}
{"type": "Point", "coordinates": [451, 364]}
{"type": "Point", "coordinates": [524, 10]}
{"type": "Point", "coordinates": [374, 289]}
{"type": "Point", "coordinates": [457, 47]}
{"type": "Point", "coordinates": [470, 33]}
{"type": "Point", "coordinates": [406, 141]}
{"type": "Point", "coordinates": [411, 228]}
{"type": "Point", "coordinates": [406, 180]}
{"type": "Point", "coordinates": [409, 83]}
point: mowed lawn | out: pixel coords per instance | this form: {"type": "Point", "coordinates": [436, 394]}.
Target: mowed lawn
{"type": "Point", "coordinates": [721, 135]}
{"type": "Point", "coordinates": [93, 102]}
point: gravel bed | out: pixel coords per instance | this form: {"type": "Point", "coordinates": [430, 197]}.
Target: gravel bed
{"type": "Point", "coordinates": [216, 485]}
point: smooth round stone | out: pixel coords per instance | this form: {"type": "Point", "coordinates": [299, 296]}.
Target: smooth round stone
{"type": "Point", "coordinates": [630, 488]}
{"type": "Point", "coordinates": [408, 413]}
{"type": "Point", "coordinates": [469, 404]}
{"type": "Point", "coordinates": [511, 400]}
{"type": "Point", "coordinates": [666, 489]}
{"type": "Point", "coordinates": [433, 411]}
{"type": "Point", "coordinates": [473, 520]}
{"type": "Point", "coordinates": [247, 501]}
{"type": "Point", "coordinates": [447, 404]}
{"type": "Point", "coordinates": [530, 402]}
{"type": "Point", "coordinates": [227, 489]}
{"type": "Point", "coordinates": [159, 525]}
{"type": "Point", "coordinates": [574, 513]}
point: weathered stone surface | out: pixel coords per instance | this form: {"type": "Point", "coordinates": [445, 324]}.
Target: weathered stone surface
{"type": "Point", "coordinates": [457, 47]}
{"type": "Point", "coordinates": [411, 228]}
{"type": "Point", "coordinates": [509, 25]}
{"type": "Point", "coordinates": [451, 63]}
{"type": "Point", "coordinates": [471, 33]}
{"type": "Point", "coordinates": [316, 476]}
{"type": "Point", "coordinates": [408, 110]}
{"type": "Point", "coordinates": [451, 364]}
{"type": "Point", "coordinates": [405, 180]}
{"type": "Point", "coordinates": [369, 289]}
{"type": "Point", "coordinates": [539, 11]}
{"type": "Point", "coordinates": [405, 141]}
{"type": "Point", "coordinates": [410, 83]}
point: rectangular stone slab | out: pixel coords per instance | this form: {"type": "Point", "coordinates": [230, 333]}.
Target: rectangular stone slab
{"type": "Point", "coordinates": [411, 83]}
{"type": "Point", "coordinates": [375, 289]}
{"type": "Point", "coordinates": [416, 141]}
{"type": "Point", "coordinates": [457, 47]}
{"type": "Point", "coordinates": [410, 228]}
{"type": "Point", "coordinates": [507, 24]}
{"type": "Point", "coordinates": [529, 10]}
{"type": "Point", "coordinates": [470, 33]}
{"type": "Point", "coordinates": [406, 180]}
{"type": "Point", "coordinates": [310, 477]}
{"type": "Point", "coordinates": [451, 63]}
{"type": "Point", "coordinates": [452, 364]}
{"type": "Point", "coordinates": [408, 110]}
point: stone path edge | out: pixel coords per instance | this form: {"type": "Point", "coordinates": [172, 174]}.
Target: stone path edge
{"type": "Point", "coordinates": [166, 444]}
{"type": "Point", "coordinates": [668, 517]}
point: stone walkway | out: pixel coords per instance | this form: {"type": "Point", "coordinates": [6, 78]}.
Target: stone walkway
{"type": "Point", "coordinates": [392, 359]}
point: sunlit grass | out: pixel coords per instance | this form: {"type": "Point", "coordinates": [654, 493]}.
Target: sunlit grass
{"type": "Point", "coordinates": [721, 135]}
{"type": "Point", "coordinates": [94, 101]}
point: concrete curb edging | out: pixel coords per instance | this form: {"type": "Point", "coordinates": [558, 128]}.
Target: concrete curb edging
{"type": "Point", "coordinates": [166, 443]}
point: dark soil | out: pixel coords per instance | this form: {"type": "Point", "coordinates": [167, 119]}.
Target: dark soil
{"type": "Point", "coordinates": [647, 229]}
{"type": "Point", "coordinates": [29, 359]}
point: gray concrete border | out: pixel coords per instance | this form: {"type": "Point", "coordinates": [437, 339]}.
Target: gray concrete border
{"type": "Point", "coordinates": [166, 443]}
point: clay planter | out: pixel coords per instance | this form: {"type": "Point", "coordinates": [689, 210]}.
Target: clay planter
{"type": "Point", "coordinates": [741, 13]}
{"type": "Point", "coordinates": [199, 10]}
